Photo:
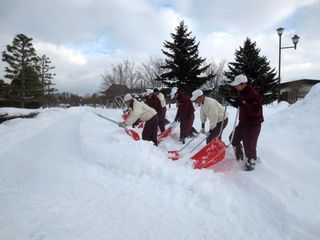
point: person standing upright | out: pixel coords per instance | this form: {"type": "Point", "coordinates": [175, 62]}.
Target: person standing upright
{"type": "Point", "coordinates": [249, 102]}
{"type": "Point", "coordinates": [153, 101]}
{"type": "Point", "coordinates": [162, 117]}
{"type": "Point", "coordinates": [185, 113]}
{"type": "Point", "coordinates": [214, 111]}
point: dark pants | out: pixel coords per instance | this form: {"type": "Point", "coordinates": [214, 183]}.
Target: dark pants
{"type": "Point", "coordinates": [150, 130]}
{"type": "Point", "coordinates": [215, 132]}
{"type": "Point", "coordinates": [162, 117]}
{"type": "Point", "coordinates": [186, 126]}
{"type": "Point", "coordinates": [248, 134]}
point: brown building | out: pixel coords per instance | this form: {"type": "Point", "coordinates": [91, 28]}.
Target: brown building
{"type": "Point", "coordinates": [113, 91]}
{"type": "Point", "coordinates": [116, 91]}
{"type": "Point", "coordinates": [295, 90]}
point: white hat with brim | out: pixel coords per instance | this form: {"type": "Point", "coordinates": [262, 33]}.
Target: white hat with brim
{"type": "Point", "coordinates": [127, 97]}
{"type": "Point", "coordinates": [195, 94]}
{"type": "Point", "coordinates": [149, 91]}
{"type": "Point", "coordinates": [238, 80]}
{"type": "Point", "coordinates": [174, 90]}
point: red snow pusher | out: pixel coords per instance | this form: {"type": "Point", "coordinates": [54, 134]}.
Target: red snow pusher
{"type": "Point", "coordinates": [214, 151]}
{"type": "Point", "coordinates": [210, 154]}
{"type": "Point", "coordinates": [166, 133]}
{"type": "Point", "coordinates": [130, 132]}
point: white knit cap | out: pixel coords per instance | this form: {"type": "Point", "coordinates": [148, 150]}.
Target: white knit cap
{"type": "Point", "coordinates": [173, 92]}
{"type": "Point", "coordinates": [195, 94]}
{"type": "Point", "coordinates": [127, 97]}
{"type": "Point", "coordinates": [149, 91]}
{"type": "Point", "coordinates": [239, 79]}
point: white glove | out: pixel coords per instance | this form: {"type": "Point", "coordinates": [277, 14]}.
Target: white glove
{"type": "Point", "coordinates": [203, 130]}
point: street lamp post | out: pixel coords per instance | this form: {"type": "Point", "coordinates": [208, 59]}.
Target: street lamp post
{"type": "Point", "coordinates": [295, 40]}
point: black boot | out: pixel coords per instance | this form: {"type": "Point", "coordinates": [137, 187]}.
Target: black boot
{"type": "Point", "coordinates": [194, 131]}
{"type": "Point", "coordinates": [250, 164]}
{"type": "Point", "coordinates": [192, 135]}
{"type": "Point", "coordinates": [238, 152]}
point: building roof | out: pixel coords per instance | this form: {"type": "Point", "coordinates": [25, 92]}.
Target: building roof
{"type": "Point", "coordinates": [115, 90]}
{"type": "Point", "coordinates": [306, 81]}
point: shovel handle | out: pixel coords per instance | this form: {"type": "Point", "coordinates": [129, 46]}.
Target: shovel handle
{"type": "Point", "coordinates": [130, 132]}
{"type": "Point", "coordinates": [109, 119]}
{"type": "Point", "coordinates": [189, 142]}
{"type": "Point", "coordinates": [234, 126]}
{"type": "Point", "coordinates": [198, 144]}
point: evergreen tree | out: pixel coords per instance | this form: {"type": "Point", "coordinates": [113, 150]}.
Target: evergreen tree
{"type": "Point", "coordinates": [4, 93]}
{"type": "Point", "coordinates": [46, 77]}
{"type": "Point", "coordinates": [256, 68]}
{"type": "Point", "coordinates": [33, 88]}
{"type": "Point", "coordinates": [22, 60]}
{"type": "Point", "coordinates": [183, 64]}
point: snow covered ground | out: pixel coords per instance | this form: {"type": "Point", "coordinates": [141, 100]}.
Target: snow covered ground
{"type": "Point", "coordinates": [69, 174]}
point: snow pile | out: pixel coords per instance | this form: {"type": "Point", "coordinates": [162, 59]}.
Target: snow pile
{"type": "Point", "coordinates": [17, 111]}
{"type": "Point", "coordinates": [69, 174]}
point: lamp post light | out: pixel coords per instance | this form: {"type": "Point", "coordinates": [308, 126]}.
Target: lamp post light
{"type": "Point", "coordinates": [295, 40]}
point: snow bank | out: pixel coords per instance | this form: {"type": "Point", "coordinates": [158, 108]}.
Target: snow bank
{"type": "Point", "coordinates": [69, 174]}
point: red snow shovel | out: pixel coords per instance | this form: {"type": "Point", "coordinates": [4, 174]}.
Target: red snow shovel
{"type": "Point", "coordinates": [130, 132]}
{"type": "Point", "coordinates": [214, 151]}
{"type": "Point", "coordinates": [210, 154]}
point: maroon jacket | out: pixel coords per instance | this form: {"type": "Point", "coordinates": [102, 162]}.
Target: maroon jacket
{"type": "Point", "coordinates": [155, 103]}
{"type": "Point", "coordinates": [250, 104]}
{"type": "Point", "coordinates": [185, 107]}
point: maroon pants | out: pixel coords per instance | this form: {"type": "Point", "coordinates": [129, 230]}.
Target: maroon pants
{"type": "Point", "coordinates": [150, 130]}
{"type": "Point", "coordinates": [186, 126]}
{"type": "Point", "coordinates": [248, 134]}
{"type": "Point", "coordinates": [162, 117]}
{"type": "Point", "coordinates": [215, 132]}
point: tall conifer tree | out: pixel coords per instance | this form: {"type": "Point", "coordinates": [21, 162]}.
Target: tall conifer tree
{"type": "Point", "coordinates": [4, 93]}
{"type": "Point", "coordinates": [257, 69]}
{"type": "Point", "coordinates": [184, 68]}
{"type": "Point", "coordinates": [46, 77]}
{"type": "Point", "coordinates": [22, 59]}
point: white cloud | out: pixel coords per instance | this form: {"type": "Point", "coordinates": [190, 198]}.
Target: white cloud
{"type": "Point", "coordinates": [220, 45]}
{"type": "Point", "coordinates": [61, 53]}
{"type": "Point", "coordinates": [83, 37]}
{"type": "Point", "coordinates": [238, 16]}
{"type": "Point", "coordinates": [77, 71]}
{"type": "Point", "coordinates": [299, 70]}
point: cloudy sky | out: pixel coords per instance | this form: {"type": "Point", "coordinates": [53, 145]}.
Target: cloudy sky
{"type": "Point", "coordinates": [84, 37]}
